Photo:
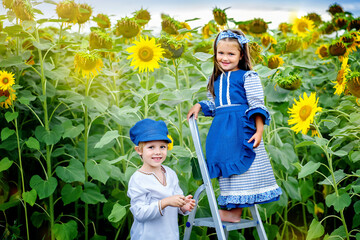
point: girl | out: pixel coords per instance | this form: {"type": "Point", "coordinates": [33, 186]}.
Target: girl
{"type": "Point", "coordinates": [156, 197]}
{"type": "Point", "coordinates": [234, 150]}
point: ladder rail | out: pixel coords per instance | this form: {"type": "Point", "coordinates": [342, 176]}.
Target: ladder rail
{"type": "Point", "coordinates": [206, 178]}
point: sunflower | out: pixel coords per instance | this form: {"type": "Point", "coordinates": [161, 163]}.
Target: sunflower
{"type": "Point", "coordinates": [220, 16]}
{"type": "Point", "coordinates": [303, 112]}
{"type": "Point", "coordinates": [353, 83]}
{"type": "Point", "coordinates": [6, 80]}
{"type": "Point", "coordinates": [103, 21]}
{"type": "Point", "coordinates": [68, 9]}
{"type": "Point", "coordinates": [170, 25]}
{"type": "Point", "coordinates": [170, 145]}
{"type": "Point", "coordinates": [145, 54]}
{"type": "Point", "coordinates": [291, 82]}
{"type": "Point", "coordinates": [255, 52]}
{"type": "Point", "coordinates": [293, 45]}
{"type": "Point", "coordinates": [142, 17]}
{"type": "Point", "coordinates": [87, 63]}
{"type": "Point", "coordinates": [10, 97]}
{"type": "Point", "coordinates": [334, 9]}
{"type": "Point", "coordinates": [302, 26]}
{"type": "Point", "coordinates": [285, 28]}
{"type": "Point", "coordinates": [99, 39]}
{"type": "Point", "coordinates": [341, 77]}
{"type": "Point", "coordinates": [173, 48]}
{"type": "Point", "coordinates": [275, 61]}
{"type": "Point", "coordinates": [338, 49]}
{"type": "Point", "coordinates": [258, 26]}
{"type": "Point", "coordinates": [354, 24]}
{"type": "Point", "coordinates": [85, 12]}
{"type": "Point", "coordinates": [23, 9]}
{"type": "Point", "coordinates": [127, 27]}
{"type": "Point", "coordinates": [268, 39]}
{"type": "Point", "coordinates": [209, 29]}
{"type": "Point", "coordinates": [322, 51]}
{"type": "Point", "coordinates": [316, 18]}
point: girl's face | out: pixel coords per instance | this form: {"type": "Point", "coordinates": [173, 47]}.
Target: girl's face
{"type": "Point", "coordinates": [228, 55]}
{"type": "Point", "coordinates": [153, 154]}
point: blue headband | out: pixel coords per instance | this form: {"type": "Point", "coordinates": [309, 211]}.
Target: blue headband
{"type": "Point", "coordinates": [229, 34]}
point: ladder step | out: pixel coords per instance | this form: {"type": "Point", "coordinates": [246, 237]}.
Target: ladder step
{"type": "Point", "coordinates": [228, 226]}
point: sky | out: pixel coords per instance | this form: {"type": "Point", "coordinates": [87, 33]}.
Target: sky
{"type": "Point", "coordinates": [274, 11]}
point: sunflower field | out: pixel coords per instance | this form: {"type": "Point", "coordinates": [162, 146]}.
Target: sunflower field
{"type": "Point", "coordinates": [68, 99]}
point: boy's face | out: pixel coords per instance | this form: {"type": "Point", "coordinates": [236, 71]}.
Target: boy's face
{"type": "Point", "coordinates": [153, 153]}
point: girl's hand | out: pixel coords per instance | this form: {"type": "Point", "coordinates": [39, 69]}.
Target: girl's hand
{"type": "Point", "coordinates": [174, 201]}
{"type": "Point", "coordinates": [194, 111]}
{"type": "Point", "coordinates": [190, 204]}
{"type": "Point", "coordinates": [257, 137]}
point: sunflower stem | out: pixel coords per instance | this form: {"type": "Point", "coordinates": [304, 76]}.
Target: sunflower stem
{"type": "Point", "coordinates": [178, 107]}
{"type": "Point", "coordinates": [146, 107]}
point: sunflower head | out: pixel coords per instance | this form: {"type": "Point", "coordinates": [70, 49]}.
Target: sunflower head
{"type": "Point", "coordinates": [302, 26]}
{"type": "Point", "coordinates": [87, 63]}
{"type": "Point", "coordinates": [204, 46]}
{"type": "Point", "coordinates": [315, 18]}
{"type": "Point", "coordinates": [142, 17]}
{"type": "Point", "coordinates": [7, 3]}
{"type": "Point", "coordinates": [303, 112]}
{"type": "Point", "coordinates": [10, 97]}
{"type": "Point", "coordinates": [127, 27]}
{"type": "Point", "coordinates": [258, 26]}
{"type": "Point", "coordinates": [170, 145]}
{"type": "Point", "coordinates": [173, 48]}
{"type": "Point", "coordinates": [99, 39]}
{"type": "Point", "coordinates": [322, 51]}
{"type": "Point", "coordinates": [338, 48]}
{"type": "Point", "coordinates": [220, 16]}
{"type": "Point", "coordinates": [285, 28]}
{"type": "Point", "coordinates": [275, 61]}
{"type": "Point", "coordinates": [103, 20]}
{"type": "Point", "coordinates": [209, 29]}
{"type": "Point", "coordinates": [353, 83]}
{"type": "Point", "coordinates": [354, 24]}
{"type": "Point", "coordinates": [334, 9]}
{"type": "Point", "coordinates": [85, 12]}
{"type": "Point", "coordinates": [291, 82]}
{"type": "Point", "coordinates": [255, 52]}
{"type": "Point", "coordinates": [340, 21]}
{"type": "Point", "coordinates": [244, 27]}
{"type": "Point", "coordinates": [68, 9]}
{"type": "Point", "coordinates": [293, 45]}
{"type": "Point", "coordinates": [328, 28]}
{"type": "Point", "coordinates": [6, 80]}
{"type": "Point", "coordinates": [23, 10]}
{"type": "Point", "coordinates": [170, 25]}
{"type": "Point", "coordinates": [268, 39]}
{"type": "Point", "coordinates": [145, 54]}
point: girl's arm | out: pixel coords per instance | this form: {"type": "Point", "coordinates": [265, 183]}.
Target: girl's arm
{"type": "Point", "coordinates": [208, 108]}
{"type": "Point", "coordinates": [259, 131]}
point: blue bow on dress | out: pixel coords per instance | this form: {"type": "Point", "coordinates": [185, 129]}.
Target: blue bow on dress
{"type": "Point", "coordinates": [229, 34]}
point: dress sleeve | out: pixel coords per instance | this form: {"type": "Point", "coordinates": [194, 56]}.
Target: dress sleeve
{"type": "Point", "coordinates": [142, 207]}
{"type": "Point", "coordinates": [255, 97]}
{"type": "Point", "coordinates": [208, 106]}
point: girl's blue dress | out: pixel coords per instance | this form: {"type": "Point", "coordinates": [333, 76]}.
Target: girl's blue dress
{"type": "Point", "coordinates": [245, 174]}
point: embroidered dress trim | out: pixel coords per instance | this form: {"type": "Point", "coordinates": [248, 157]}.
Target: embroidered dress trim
{"type": "Point", "coordinates": [220, 89]}
{"type": "Point", "coordinates": [250, 192]}
{"type": "Point", "coordinates": [151, 173]}
{"type": "Point", "coordinates": [230, 105]}
{"type": "Point", "coordinates": [228, 89]}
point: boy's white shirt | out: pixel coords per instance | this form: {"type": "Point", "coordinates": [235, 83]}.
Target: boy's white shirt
{"type": "Point", "coordinates": [145, 192]}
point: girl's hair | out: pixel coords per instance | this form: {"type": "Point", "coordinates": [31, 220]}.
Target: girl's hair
{"type": "Point", "coordinates": [244, 63]}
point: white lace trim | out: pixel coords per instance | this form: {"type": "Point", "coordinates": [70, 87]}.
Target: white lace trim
{"type": "Point", "coordinates": [250, 192]}
{"type": "Point", "coordinates": [220, 90]}
{"type": "Point", "coordinates": [228, 89]}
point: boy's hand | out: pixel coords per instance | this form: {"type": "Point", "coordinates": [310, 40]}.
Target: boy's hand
{"type": "Point", "coordinates": [174, 201]}
{"type": "Point", "coordinates": [194, 111]}
{"type": "Point", "coordinates": [190, 204]}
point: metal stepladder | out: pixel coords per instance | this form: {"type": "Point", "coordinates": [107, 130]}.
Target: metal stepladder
{"type": "Point", "coordinates": [222, 228]}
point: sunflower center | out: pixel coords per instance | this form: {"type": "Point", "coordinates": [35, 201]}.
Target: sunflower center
{"type": "Point", "coordinates": [146, 54]}
{"type": "Point", "coordinates": [302, 27]}
{"type": "Point", "coordinates": [4, 93]}
{"type": "Point", "coordinates": [5, 80]}
{"type": "Point", "coordinates": [305, 112]}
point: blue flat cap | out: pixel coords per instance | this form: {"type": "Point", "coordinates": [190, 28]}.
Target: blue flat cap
{"type": "Point", "coordinates": [149, 130]}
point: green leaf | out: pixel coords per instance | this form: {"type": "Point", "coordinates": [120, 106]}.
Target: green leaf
{"type": "Point", "coordinates": [43, 44]}
{"type": "Point", "coordinates": [70, 194]}
{"type": "Point", "coordinates": [203, 56]}
{"type": "Point", "coordinates": [305, 143]}
{"type": "Point", "coordinates": [117, 213]}
{"type": "Point", "coordinates": [355, 156]}
{"type": "Point", "coordinates": [11, 61]}
{"type": "Point", "coordinates": [195, 167]}
{"type": "Point", "coordinates": [33, 143]}
{"type": "Point", "coordinates": [108, 137]}
{"type": "Point", "coordinates": [9, 116]}
{"type": "Point", "coordinates": [38, 218]}
{"type": "Point", "coordinates": [306, 189]}
{"type": "Point", "coordinates": [316, 230]}
{"type": "Point", "coordinates": [338, 175]}
{"type": "Point", "coordinates": [129, 172]}
{"type": "Point", "coordinates": [51, 136]}
{"type": "Point", "coordinates": [357, 207]}
{"type": "Point", "coordinates": [292, 188]}
{"type": "Point", "coordinates": [339, 202]}
{"type": "Point", "coordinates": [100, 172]}
{"type": "Point", "coordinates": [30, 197]}
{"type": "Point", "coordinates": [6, 132]}
{"type": "Point", "coordinates": [73, 172]}
{"type": "Point", "coordinates": [5, 164]}
{"type": "Point", "coordinates": [91, 194]}
{"type": "Point", "coordinates": [308, 169]}
{"type": "Point", "coordinates": [71, 131]}
{"type": "Point", "coordinates": [66, 231]}
{"type": "Point", "coordinates": [44, 188]}
{"type": "Point", "coordinates": [25, 97]}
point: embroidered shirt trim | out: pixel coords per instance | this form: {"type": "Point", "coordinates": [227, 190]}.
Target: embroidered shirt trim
{"type": "Point", "coordinates": [151, 173]}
